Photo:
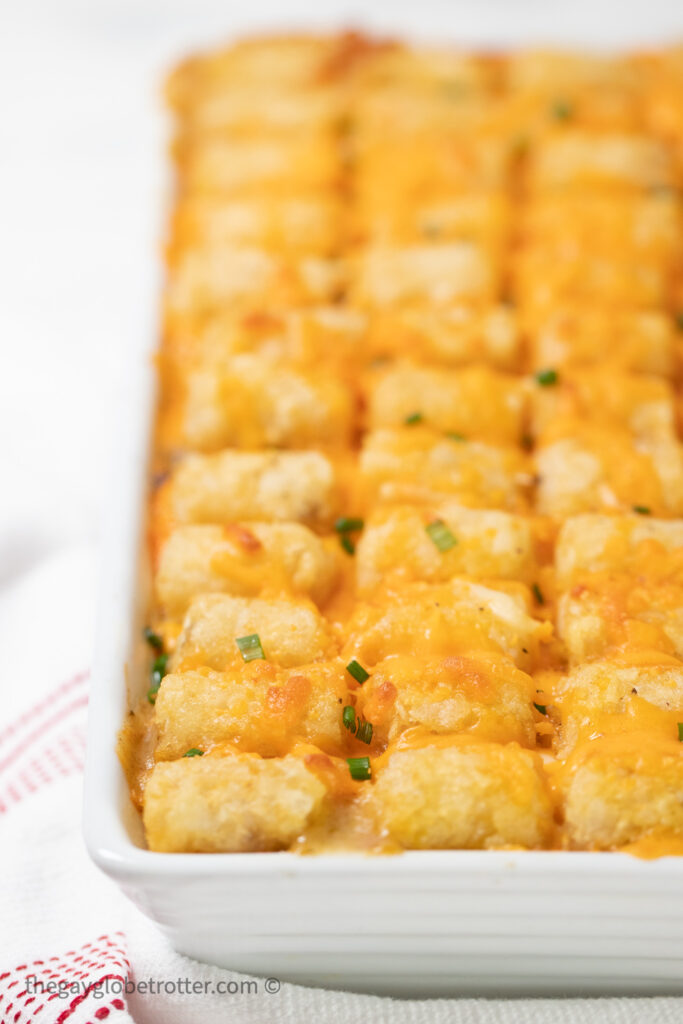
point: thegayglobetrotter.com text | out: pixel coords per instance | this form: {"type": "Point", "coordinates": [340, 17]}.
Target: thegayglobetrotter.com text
{"type": "Point", "coordinates": [113, 986]}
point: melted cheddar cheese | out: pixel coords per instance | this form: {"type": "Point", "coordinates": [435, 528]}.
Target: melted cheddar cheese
{"type": "Point", "coordinates": [416, 525]}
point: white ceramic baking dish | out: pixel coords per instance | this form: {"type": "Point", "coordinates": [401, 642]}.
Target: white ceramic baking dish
{"type": "Point", "coordinates": [428, 923]}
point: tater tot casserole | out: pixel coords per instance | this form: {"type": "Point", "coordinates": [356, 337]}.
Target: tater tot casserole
{"type": "Point", "coordinates": [416, 498]}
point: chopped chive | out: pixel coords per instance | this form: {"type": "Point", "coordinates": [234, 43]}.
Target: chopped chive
{"type": "Point", "coordinates": [453, 435]}
{"type": "Point", "coordinates": [679, 321]}
{"type": "Point", "coordinates": [347, 544]}
{"type": "Point", "coordinates": [355, 669]}
{"type": "Point", "coordinates": [347, 524]}
{"type": "Point", "coordinates": [349, 718]}
{"type": "Point", "coordinates": [250, 647]}
{"type": "Point", "coordinates": [153, 639]}
{"type": "Point", "coordinates": [359, 768]}
{"type": "Point", "coordinates": [413, 418]}
{"type": "Point", "coordinates": [159, 670]}
{"type": "Point", "coordinates": [194, 752]}
{"type": "Point", "coordinates": [538, 594]}
{"type": "Point", "coordinates": [540, 707]}
{"type": "Point", "coordinates": [680, 732]}
{"type": "Point", "coordinates": [159, 667]}
{"type": "Point", "coordinates": [642, 510]}
{"type": "Point", "coordinates": [440, 535]}
{"type": "Point", "coordinates": [364, 732]}
{"type": "Point", "coordinates": [546, 378]}
{"type": "Point", "coordinates": [561, 110]}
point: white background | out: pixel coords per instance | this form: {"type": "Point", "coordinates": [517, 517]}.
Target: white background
{"type": "Point", "coordinates": [81, 200]}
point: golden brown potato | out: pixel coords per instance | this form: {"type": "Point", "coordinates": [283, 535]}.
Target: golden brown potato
{"type": "Point", "coordinates": [484, 695]}
{"type": "Point", "coordinates": [601, 470]}
{"type": "Point", "coordinates": [305, 224]}
{"type": "Point", "coordinates": [248, 111]}
{"type": "Point", "coordinates": [414, 464]}
{"type": "Point", "coordinates": [271, 485]}
{"type": "Point", "coordinates": [439, 167]}
{"type": "Point", "coordinates": [464, 794]}
{"type": "Point", "coordinates": [204, 278]}
{"type": "Point", "coordinates": [436, 274]}
{"type": "Point", "coordinates": [427, 67]}
{"type": "Point", "coordinates": [451, 337]}
{"type": "Point", "coordinates": [630, 226]}
{"type": "Point", "coordinates": [571, 337]}
{"type": "Point", "coordinates": [628, 243]}
{"type": "Point", "coordinates": [476, 402]}
{"type": "Point", "coordinates": [553, 73]}
{"type": "Point", "coordinates": [608, 697]}
{"type": "Point", "coordinates": [582, 159]}
{"type": "Point", "coordinates": [232, 804]}
{"type": "Point", "coordinates": [446, 619]}
{"type": "Point", "coordinates": [251, 402]}
{"type": "Point", "coordinates": [244, 560]}
{"type": "Point", "coordinates": [601, 543]}
{"type": "Point", "coordinates": [396, 546]}
{"type": "Point", "coordinates": [548, 275]}
{"type": "Point", "coordinates": [284, 62]}
{"type": "Point", "coordinates": [621, 789]}
{"type": "Point", "coordinates": [604, 613]}
{"type": "Point", "coordinates": [642, 405]}
{"type": "Point", "coordinates": [483, 218]}
{"type": "Point", "coordinates": [241, 167]}
{"type": "Point", "coordinates": [291, 632]}
{"type": "Point", "coordinates": [330, 336]}
{"type": "Point", "coordinates": [258, 708]}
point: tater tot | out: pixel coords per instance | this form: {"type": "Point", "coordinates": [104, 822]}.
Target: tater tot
{"type": "Point", "coordinates": [599, 543]}
{"type": "Point", "coordinates": [233, 485]}
{"type": "Point", "coordinates": [620, 789]}
{"type": "Point", "coordinates": [414, 464]}
{"type": "Point", "coordinates": [291, 633]}
{"type": "Point", "coordinates": [451, 337]}
{"type": "Point", "coordinates": [229, 166]}
{"type": "Point", "coordinates": [580, 159]}
{"type": "Point", "coordinates": [571, 337]}
{"type": "Point", "coordinates": [601, 470]}
{"type": "Point", "coordinates": [641, 404]}
{"type": "Point", "coordinates": [437, 274]}
{"type": "Point", "coordinates": [464, 795]}
{"type": "Point", "coordinates": [615, 697]}
{"type": "Point", "coordinates": [396, 544]}
{"type": "Point", "coordinates": [609, 612]}
{"type": "Point", "coordinates": [446, 619]}
{"type": "Point", "coordinates": [258, 707]}
{"type": "Point", "coordinates": [330, 336]}
{"type": "Point", "coordinates": [205, 278]}
{"type": "Point", "coordinates": [475, 402]}
{"type": "Point", "coordinates": [306, 224]}
{"type": "Point", "coordinates": [251, 402]}
{"type": "Point", "coordinates": [233, 804]}
{"type": "Point", "coordinates": [484, 695]}
{"type": "Point", "coordinates": [244, 560]}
